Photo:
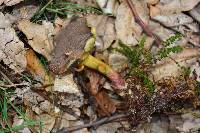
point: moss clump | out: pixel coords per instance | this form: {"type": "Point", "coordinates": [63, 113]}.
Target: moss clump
{"type": "Point", "coordinates": [140, 59]}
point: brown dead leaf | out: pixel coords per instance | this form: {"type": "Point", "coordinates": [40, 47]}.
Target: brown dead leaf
{"type": "Point", "coordinates": [36, 68]}
{"type": "Point", "coordinates": [10, 2]}
{"type": "Point", "coordinates": [12, 51]}
{"type": "Point", "coordinates": [128, 31]}
{"type": "Point", "coordinates": [39, 36]}
{"type": "Point", "coordinates": [105, 29]}
{"type": "Point", "coordinates": [172, 6]}
{"type": "Point", "coordinates": [46, 120]}
{"type": "Point", "coordinates": [105, 104]}
{"type": "Point", "coordinates": [94, 81]}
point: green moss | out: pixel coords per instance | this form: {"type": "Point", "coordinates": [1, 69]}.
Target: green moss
{"type": "Point", "coordinates": [165, 52]}
{"type": "Point", "coordinates": [138, 56]}
{"type": "Point", "coordinates": [141, 59]}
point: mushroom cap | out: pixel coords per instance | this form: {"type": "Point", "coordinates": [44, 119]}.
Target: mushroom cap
{"type": "Point", "coordinates": [69, 44]}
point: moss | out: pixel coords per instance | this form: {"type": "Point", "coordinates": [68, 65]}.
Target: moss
{"type": "Point", "coordinates": [140, 59]}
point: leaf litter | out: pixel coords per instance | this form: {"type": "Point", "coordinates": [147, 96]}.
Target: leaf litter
{"type": "Point", "coordinates": [161, 72]}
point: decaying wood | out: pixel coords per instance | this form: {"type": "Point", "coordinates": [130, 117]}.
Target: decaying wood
{"type": "Point", "coordinates": [142, 24]}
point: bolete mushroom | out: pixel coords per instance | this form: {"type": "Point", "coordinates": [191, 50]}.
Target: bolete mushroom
{"type": "Point", "coordinates": [74, 42]}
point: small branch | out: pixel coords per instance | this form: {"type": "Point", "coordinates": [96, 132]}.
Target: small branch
{"type": "Point", "coordinates": [13, 85]}
{"type": "Point", "coordinates": [6, 77]}
{"type": "Point", "coordinates": [96, 123]}
{"type": "Point", "coordinates": [142, 24]}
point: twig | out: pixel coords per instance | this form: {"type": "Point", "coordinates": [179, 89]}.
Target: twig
{"type": "Point", "coordinates": [13, 85]}
{"type": "Point", "coordinates": [142, 24]}
{"type": "Point", "coordinates": [96, 123]}
{"type": "Point", "coordinates": [6, 77]}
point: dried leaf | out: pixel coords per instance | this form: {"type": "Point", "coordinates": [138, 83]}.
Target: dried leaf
{"type": "Point", "coordinates": [173, 19]}
{"type": "Point", "coordinates": [12, 50]}
{"type": "Point", "coordinates": [39, 36]}
{"type": "Point", "coordinates": [95, 79]}
{"type": "Point", "coordinates": [128, 31]}
{"type": "Point", "coordinates": [195, 12]}
{"type": "Point", "coordinates": [105, 104]}
{"type": "Point", "coordinates": [172, 6]}
{"type": "Point", "coordinates": [168, 68]}
{"type": "Point", "coordinates": [108, 6]}
{"type": "Point", "coordinates": [10, 2]}
{"type": "Point", "coordinates": [117, 61]}
{"type": "Point", "coordinates": [66, 84]}
{"type": "Point", "coordinates": [47, 121]}
{"type": "Point", "coordinates": [35, 66]}
{"type": "Point", "coordinates": [105, 29]}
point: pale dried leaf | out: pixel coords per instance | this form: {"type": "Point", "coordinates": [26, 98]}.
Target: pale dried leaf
{"type": "Point", "coordinates": [128, 31]}
{"type": "Point", "coordinates": [173, 19]}
{"type": "Point", "coordinates": [67, 123]}
{"type": "Point", "coordinates": [24, 12]}
{"type": "Point", "coordinates": [152, 2]}
{"type": "Point", "coordinates": [168, 68]}
{"type": "Point", "coordinates": [172, 6]}
{"type": "Point", "coordinates": [10, 2]}
{"type": "Point", "coordinates": [195, 12]}
{"type": "Point", "coordinates": [190, 35]}
{"type": "Point", "coordinates": [105, 30]}
{"type": "Point", "coordinates": [12, 50]}
{"type": "Point", "coordinates": [66, 84]}
{"type": "Point", "coordinates": [165, 33]}
{"type": "Point", "coordinates": [108, 6]}
{"type": "Point", "coordinates": [191, 122]}
{"type": "Point", "coordinates": [117, 61]}
{"type": "Point", "coordinates": [40, 37]}
{"type": "Point", "coordinates": [109, 128]}
{"type": "Point", "coordinates": [47, 121]}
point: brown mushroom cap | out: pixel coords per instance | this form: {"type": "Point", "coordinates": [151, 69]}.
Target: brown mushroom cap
{"type": "Point", "coordinates": [69, 44]}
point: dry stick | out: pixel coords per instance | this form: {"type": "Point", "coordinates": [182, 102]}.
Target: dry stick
{"type": "Point", "coordinates": [13, 85]}
{"type": "Point", "coordinates": [6, 77]}
{"type": "Point", "coordinates": [142, 24]}
{"type": "Point", "coordinates": [96, 123]}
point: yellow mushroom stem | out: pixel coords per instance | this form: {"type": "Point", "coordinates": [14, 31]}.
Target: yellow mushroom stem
{"type": "Point", "coordinates": [93, 63]}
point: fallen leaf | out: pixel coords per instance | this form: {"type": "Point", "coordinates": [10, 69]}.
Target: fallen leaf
{"type": "Point", "coordinates": [172, 6]}
{"type": "Point", "coordinates": [12, 50]}
{"type": "Point", "coordinates": [117, 61]}
{"type": "Point", "coordinates": [47, 121]}
{"type": "Point", "coordinates": [168, 68]}
{"type": "Point", "coordinates": [69, 94]}
{"type": "Point", "coordinates": [35, 66]}
{"type": "Point", "coordinates": [10, 2]}
{"type": "Point", "coordinates": [112, 127]}
{"type": "Point", "coordinates": [108, 7]}
{"type": "Point", "coordinates": [128, 31]}
{"type": "Point", "coordinates": [105, 30]}
{"type": "Point", "coordinates": [195, 12]}
{"type": "Point", "coordinates": [40, 37]}
{"type": "Point", "coordinates": [165, 33]}
{"type": "Point", "coordinates": [189, 31]}
{"type": "Point", "coordinates": [95, 79]}
{"type": "Point", "coordinates": [105, 104]}
{"type": "Point", "coordinates": [173, 19]}
{"type": "Point", "coordinates": [25, 11]}
{"type": "Point", "coordinates": [66, 84]}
